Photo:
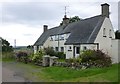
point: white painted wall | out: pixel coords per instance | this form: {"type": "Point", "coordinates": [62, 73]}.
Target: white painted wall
{"type": "Point", "coordinates": [105, 43]}
{"type": "Point", "coordinates": [69, 52]}
{"type": "Point", "coordinates": [49, 43]}
{"type": "Point", "coordinates": [89, 46]}
{"type": "Point", "coordinates": [115, 50]}
{"type": "Point", "coordinates": [35, 49]}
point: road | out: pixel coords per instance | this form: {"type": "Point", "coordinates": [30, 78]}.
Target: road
{"type": "Point", "coordinates": [11, 73]}
{"type": "Point", "coordinates": [11, 76]}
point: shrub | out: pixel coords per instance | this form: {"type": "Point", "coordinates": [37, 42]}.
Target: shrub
{"type": "Point", "coordinates": [49, 51]}
{"type": "Point", "coordinates": [22, 56]}
{"type": "Point", "coordinates": [8, 55]}
{"type": "Point", "coordinates": [60, 55]}
{"type": "Point", "coordinates": [38, 56]}
{"type": "Point", "coordinates": [96, 57]}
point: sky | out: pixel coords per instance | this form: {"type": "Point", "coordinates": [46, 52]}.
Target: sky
{"type": "Point", "coordinates": [23, 20]}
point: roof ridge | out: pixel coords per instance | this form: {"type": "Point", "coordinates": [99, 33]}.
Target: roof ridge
{"type": "Point", "coordinates": [91, 17]}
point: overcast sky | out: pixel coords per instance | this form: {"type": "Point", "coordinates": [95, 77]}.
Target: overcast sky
{"type": "Point", "coordinates": [23, 20]}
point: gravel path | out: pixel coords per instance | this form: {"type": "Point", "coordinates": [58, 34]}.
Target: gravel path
{"type": "Point", "coordinates": [10, 76]}
{"type": "Point", "coordinates": [11, 72]}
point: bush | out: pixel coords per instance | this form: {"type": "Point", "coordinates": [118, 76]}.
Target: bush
{"type": "Point", "coordinates": [38, 56]}
{"type": "Point", "coordinates": [60, 55]}
{"type": "Point", "coordinates": [22, 56]}
{"type": "Point", "coordinates": [8, 55]}
{"type": "Point", "coordinates": [49, 51]}
{"type": "Point", "coordinates": [96, 57]}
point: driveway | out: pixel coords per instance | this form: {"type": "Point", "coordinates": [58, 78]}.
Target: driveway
{"type": "Point", "coordinates": [11, 76]}
{"type": "Point", "coordinates": [13, 72]}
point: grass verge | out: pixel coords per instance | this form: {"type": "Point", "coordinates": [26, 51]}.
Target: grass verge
{"type": "Point", "coordinates": [108, 74]}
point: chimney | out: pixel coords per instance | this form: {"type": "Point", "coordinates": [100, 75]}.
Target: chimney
{"type": "Point", "coordinates": [65, 20]}
{"type": "Point", "coordinates": [105, 9]}
{"type": "Point", "coordinates": [45, 28]}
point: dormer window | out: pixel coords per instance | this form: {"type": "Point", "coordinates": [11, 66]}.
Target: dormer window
{"type": "Point", "coordinates": [110, 36]}
{"type": "Point", "coordinates": [61, 37]}
{"type": "Point", "coordinates": [56, 38]}
{"type": "Point", "coordinates": [51, 38]}
{"type": "Point", "coordinates": [67, 35]}
{"type": "Point", "coordinates": [104, 32]}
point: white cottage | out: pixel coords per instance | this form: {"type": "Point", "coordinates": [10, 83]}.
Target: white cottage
{"type": "Point", "coordinates": [90, 33]}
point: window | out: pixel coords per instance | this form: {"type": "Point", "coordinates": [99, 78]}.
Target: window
{"type": "Point", "coordinates": [51, 38]}
{"type": "Point", "coordinates": [110, 34]}
{"type": "Point", "coordinates": [37, 48]}
{"type": "Point", "coordinates": [70, 47]}
{"type": "Point", "coordinates": [56, 38]}
{"type": "Point", "coordinates": [62, 49]}
{"type": "Point", "coordinates": [56, 48]}
{"type": "Point", "coordinates": [84, 48]}
{"type": "Point", "coordinates": [104, 32]}
{"type": "Point", "coordinates": [77, 50]}
{"type": "Point", "coordinates": [61, 37]}
{"type": "Point", "coordinates": [67, 35]}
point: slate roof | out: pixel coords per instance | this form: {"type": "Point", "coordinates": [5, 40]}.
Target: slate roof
{"type": "Point", "coordinates": [83, 31]}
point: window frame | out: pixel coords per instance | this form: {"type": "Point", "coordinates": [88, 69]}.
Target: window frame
{"type": "Point", "coordinates": [77, 50]}
{"type": "Point", "coordinates": [62, 49]}
{"type": "Point", "coordinates": [56, 49]}
{"type": "Point", "coordinates": [110, 33]}
{"type": "Point", "coordinates": [104, 32]}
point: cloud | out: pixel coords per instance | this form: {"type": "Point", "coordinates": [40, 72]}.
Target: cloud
{"type": "Point", "coordinates": [23, 20]}
{"type": "Point", "coordinates": [29, 13]}
{"type": "Point", "coordinates": [24, 35]}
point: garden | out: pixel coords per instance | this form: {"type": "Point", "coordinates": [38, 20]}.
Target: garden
{"type": "Point", "coordinates": [88, 59]}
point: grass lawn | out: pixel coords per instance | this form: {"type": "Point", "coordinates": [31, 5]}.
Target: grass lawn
{"type": "Point", "coordinates": [109, 74]}
{"type": "Point", "coordinates": [61, 74]}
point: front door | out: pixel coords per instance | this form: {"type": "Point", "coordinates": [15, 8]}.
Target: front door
{"type": "Point", "coordinates": [76, 52]}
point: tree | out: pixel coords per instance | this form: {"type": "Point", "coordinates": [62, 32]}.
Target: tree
{"type": "Point", "coordinates": [74, 19]}
{"type": "Point", "coordinates": [117, 34]}
{"type": "Point", "coordinates": [30, 46]}
{"type": "Point", "coordinates": [6, 46]}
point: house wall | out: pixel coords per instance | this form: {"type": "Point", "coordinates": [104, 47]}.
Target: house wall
{"type": "Point", "coordinates": [47, 43]}
{"type": "Point", "coordinates": [35, 49]}
{"type": "Point", "coordinates": [69, 52]}
{"type": "Point", "coordinates": [105, 43]}
{"type": "Point", "coordinates": [58, 43]}
{"type": "Point", "coordinates": [88, 46]}
{"type": "Point", "coordinates": [115, 50]}
{"type": "Point", "coordinates": [54, 44]}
